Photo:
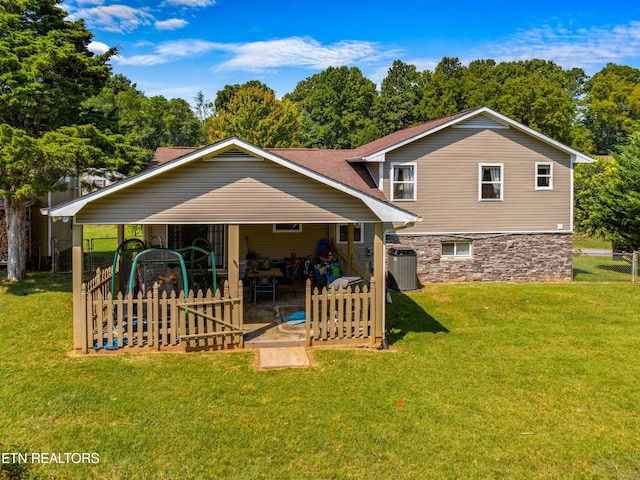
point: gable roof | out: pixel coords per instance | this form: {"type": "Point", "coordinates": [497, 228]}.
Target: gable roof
{"type": "Point", "coordinates": [375, 150]}
{"type": "Point", "coordinates": [354, 183]}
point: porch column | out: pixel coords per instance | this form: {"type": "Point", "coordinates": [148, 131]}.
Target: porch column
{"type": "Point", "coordinates": [120, 234]}
{"type": "Point", "coordinates": [350, 255]}
{"type": "Point", "coordinates": [233, 258]}
{"type": "Point", "coordinates": [77, 265]}
{"type": "Point", "coordinates": [378, 275]}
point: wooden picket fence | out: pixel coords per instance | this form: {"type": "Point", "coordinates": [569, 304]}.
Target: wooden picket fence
{"type": "Point", "coordinates": [346, 315]}
{"type": "Point", "coordinates": [197, 321]}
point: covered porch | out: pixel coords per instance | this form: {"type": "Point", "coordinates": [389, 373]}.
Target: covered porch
{"type": "Point", "coordinates": [252, 205]}
{"type": "Point", "coordinates": [233, 314]}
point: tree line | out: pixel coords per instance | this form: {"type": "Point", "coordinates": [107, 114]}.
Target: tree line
{"type": "Point", "coordinates": [63, 112]}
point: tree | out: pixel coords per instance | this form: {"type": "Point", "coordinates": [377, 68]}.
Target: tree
{"type": "Point", "coordinates": [615, 206]}
{"type": "Point", "coordinates": [225, 95]}
{"type": "Point", "coordinates": [588, 184]}
{"type": "Point", "coordinates": [255, 115]}
{"type": "Point", "coordinates": [46, 72]}
{"type": "Point", "coordinates": [338, 103]}
{"type": "Point", "coordinates": [441, 91]}
{"type": "Point", "coordinates": [540, 104]}
{"type": "Point", "coordinates": [612, 106]}
{"type": "Point", "coordinates": [394, 107]}
{"type": "Point", "coordinates": [204, 109]}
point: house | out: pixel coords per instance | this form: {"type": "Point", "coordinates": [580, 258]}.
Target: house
{"type": "Point", "coordinates": [476, 195]}
{"type": "Point", "coordinates": [495, 197]}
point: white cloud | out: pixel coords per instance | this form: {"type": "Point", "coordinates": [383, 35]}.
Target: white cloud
{"type": "Point", "coordinates": [90, 2]}
{"type": "Point", "coordinates": [114, 18]}
{"type": "Point", "coordinates": [171, 24]}
{"type": "Point", "coordinates": [571, 48]}
{"type": "Point", "coordinates": [98, 47]}
{"type": "Point", "coordinates": [299, 52]}
{"type": "Point", "coordinates": [589, 49]}
{"type": "Point", "coordinates": [170, 52]}
{"type": "Point", "coordinates": [190, 3]}
{"type": "Point", "coordinates": [265, 55]}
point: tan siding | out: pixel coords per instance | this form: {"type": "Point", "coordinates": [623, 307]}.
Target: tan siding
{"type": "Point", "coordinates": [266, 243]}
{"type": "Point", "coordinates": [227, 192]}
{"type": "Point", "coordinates": [447, 175]}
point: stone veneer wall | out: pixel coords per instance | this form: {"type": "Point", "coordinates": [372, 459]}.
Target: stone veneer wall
{"type": "Point", "coordinates": [514, 258]}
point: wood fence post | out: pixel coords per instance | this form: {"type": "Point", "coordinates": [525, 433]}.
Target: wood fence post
{"type": "Point", "coordinates": [84, 328]}
{"type": "Point", "coordinates": [155, 307]}
{"type": "Point", "coordinates": [307, 308]}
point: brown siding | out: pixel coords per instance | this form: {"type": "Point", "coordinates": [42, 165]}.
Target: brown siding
{"type": "Point", "coordinates": [447, 177]}
{"type": "Point", "coordinates": [227, 192]}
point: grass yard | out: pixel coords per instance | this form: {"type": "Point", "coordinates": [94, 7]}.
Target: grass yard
{"type": "Point", "coordinates": [584, 241]}
{"type": "Point", "coordinates": [102, 241]}
{"type": "Point", "coordinates": [600, 269]}
{"type": "Point", "coordinates": [482, 381]}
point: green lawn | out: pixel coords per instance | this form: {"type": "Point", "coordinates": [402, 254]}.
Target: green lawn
{"type": "Point", "coordinates": [101, 241]}
{"type": "Point", "coordinates": [600, 269]}
{"type": "Point", "coordinates": [582, 241]}
{"type": "Point", "coordinates": [482, 381]}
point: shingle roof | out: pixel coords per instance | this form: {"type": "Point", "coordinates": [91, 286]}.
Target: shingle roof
{"type": "Point", "coordinates": [403, 135]}
{"type": "Point", "coordinates": [163, 155]}
{"type": "Point", "coordinates": [332, 164]}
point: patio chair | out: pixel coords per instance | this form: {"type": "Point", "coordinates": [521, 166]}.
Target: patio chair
{"type": "Point", "coordinates": [291, 273]}
{"type": "Point", "coordinates": [265, 285]}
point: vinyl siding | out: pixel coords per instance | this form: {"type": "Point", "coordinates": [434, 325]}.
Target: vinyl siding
{"type": "Point", "coordinates": [447, 176]}
{"type": "Point", "coordinates": [244, 192]}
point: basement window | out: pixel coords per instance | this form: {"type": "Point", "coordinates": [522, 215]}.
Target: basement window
{"type": "Point", "coordinates": [456, 249]}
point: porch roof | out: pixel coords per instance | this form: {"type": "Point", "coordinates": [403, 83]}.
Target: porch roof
{"type": "Point", "coordinates": [355, 182]}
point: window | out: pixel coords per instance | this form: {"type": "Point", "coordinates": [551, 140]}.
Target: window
{"type": "Point", "coordinates": [544, 176]}
{"type": "Point", "coordinates": [287, 227]}
{"type": "Point", "coordinates": [403, 181]}
{"type": "Point", "coordinates": [343, 230]}
{"type": "Point", "coordinates": [456, 249]}
{"type": "Point", "coordinates": [180, 236]}
{"type": "Point", "coordinates": [491, 181]}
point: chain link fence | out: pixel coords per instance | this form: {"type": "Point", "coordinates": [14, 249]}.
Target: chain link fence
{"type": "Point", "coordinates": [98, 252]}
{"type": "Point", "coordinates": [592, 265]}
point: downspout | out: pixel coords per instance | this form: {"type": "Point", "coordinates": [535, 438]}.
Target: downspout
{"type": "Point", "coordinates": [385, 343]}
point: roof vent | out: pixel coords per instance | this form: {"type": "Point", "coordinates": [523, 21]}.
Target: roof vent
{"type": "Point", "coordinates": [234, 155]}
{"type": "Point", "coordinates": [480, 121]}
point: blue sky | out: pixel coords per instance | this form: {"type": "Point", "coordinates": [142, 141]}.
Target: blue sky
{"type": "Point", "coordinates": [176, 48]}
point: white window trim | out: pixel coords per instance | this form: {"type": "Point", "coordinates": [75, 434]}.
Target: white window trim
{"type": "Point", "coordinates": [347, 225]}
{"type": "Point", "coordinates": [392, 183]}
{"type": "Point", "coordinates": [480, 167]}
{"type": "Point", "coordinates": [537, 175]}
{"type": "Point", "coordinates": [455, 248]}
{"type": "Point", "coordinates": [285, 230]}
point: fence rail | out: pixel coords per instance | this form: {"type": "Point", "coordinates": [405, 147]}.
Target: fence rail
{"type": "Point", "coordinates": [341, 315]}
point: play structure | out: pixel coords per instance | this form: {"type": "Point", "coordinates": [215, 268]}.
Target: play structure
{"type": "Point", "coordinates": [137, 269]}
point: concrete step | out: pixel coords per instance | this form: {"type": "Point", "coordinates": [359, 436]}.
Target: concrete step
{"type": "Point", "coordinates": [283, 357]}
{"type": "Point", "coordinates": [273, 343]}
